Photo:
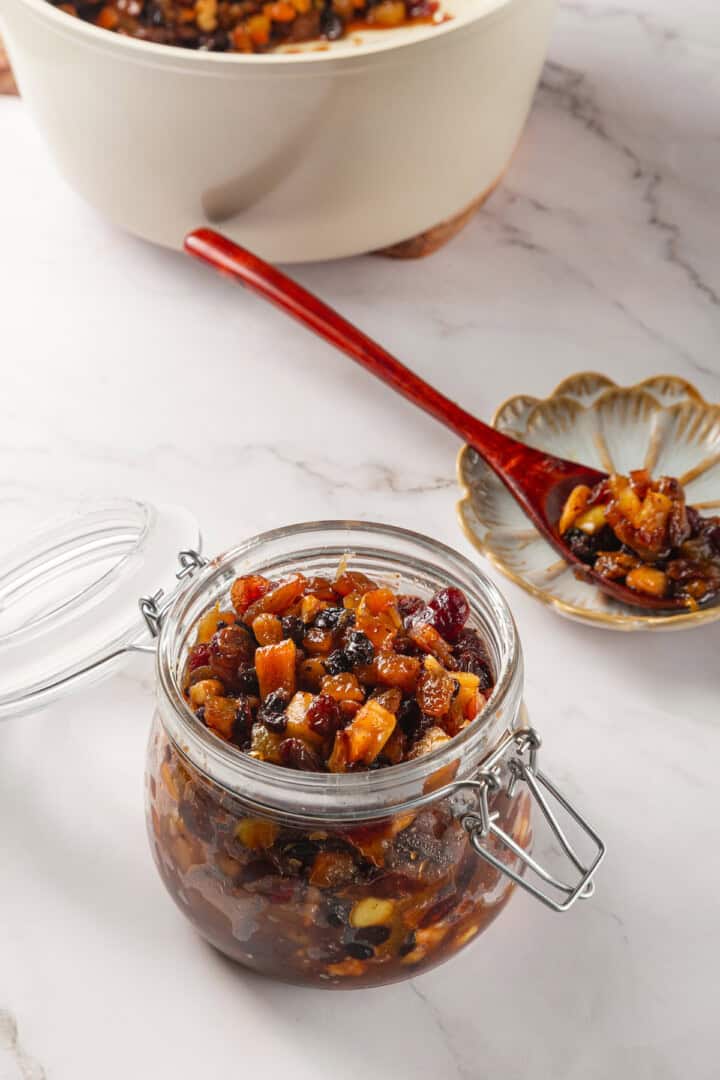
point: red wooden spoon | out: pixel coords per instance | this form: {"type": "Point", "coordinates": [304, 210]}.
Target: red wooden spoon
{"type": "Point", "coordinates": [539, 482]}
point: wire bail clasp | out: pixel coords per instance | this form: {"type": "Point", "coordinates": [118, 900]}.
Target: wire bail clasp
{"type": "Point", "coordinates": [480, 824]}
{"type": "Point", "coordinates": [155, 607]}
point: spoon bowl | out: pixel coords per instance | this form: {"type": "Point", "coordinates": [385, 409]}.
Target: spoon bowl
{"type": "Point", "coordinates": [538, 481]}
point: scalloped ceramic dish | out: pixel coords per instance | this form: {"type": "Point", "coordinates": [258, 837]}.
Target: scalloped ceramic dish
{"type": "Point", "coordinates": [662, 424]}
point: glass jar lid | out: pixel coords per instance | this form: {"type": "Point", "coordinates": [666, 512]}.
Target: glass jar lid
{"type": "Point", "coordinates": [69, 595]}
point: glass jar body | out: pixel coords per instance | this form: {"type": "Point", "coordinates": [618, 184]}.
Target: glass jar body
{"type": "Point", "coordinates": [342, 906]}
{"type": "Point", "coordinates": [354, 879]}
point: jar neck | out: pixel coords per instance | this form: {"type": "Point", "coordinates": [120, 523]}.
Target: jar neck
{"type": "Point", "coordinates": [384, 553]}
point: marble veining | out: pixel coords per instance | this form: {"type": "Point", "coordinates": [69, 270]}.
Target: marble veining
{"type": "Point", "coordinates": [127, 370]}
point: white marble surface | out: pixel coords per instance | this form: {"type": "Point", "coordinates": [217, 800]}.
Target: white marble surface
{"type": "Point", "coordinates": [128, 370]}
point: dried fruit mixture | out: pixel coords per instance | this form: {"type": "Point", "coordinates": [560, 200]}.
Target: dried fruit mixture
{"type": "Point", "coordinates": [336, 676]}
{"type": "Point", "coordinates": [330, 676]}
{"type": "Point", "coordinates": [641, 532]}
{"type": "Point", "coordinates": [247, 26]}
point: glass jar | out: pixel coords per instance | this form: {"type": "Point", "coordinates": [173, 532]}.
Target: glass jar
{"type": "Point", "coordinates": [355, 879]}
{"type": "Point", "coordinates": [333, 880]}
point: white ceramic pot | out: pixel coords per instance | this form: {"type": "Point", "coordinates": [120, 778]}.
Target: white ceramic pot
{"type": "Point", "coordinates": [301, 156]}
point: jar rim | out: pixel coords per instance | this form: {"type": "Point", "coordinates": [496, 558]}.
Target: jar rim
{"type": "Point", "coordinates": [341, 796]}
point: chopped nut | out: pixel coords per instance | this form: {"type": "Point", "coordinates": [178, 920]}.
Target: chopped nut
{"type": "Point", "coordinates": [576, 503]}
{"type": "Point", "coordinates": [254, 833]}
{"type": "Point", "coordinates": [371, 911]}
{"type": "Point", "coordinates": [592, 520]}
{"type": "Point", "coordinates": [349, 966]}
{"type": "Point", "coordinates": [645, 579]}
{"type": "Point", "coordinates": [201, 691]}
{"type": "Point", "coordinates": [332, 869]}
{"type": "Point", "coordinates": [220, 715]}
{"type": "Point", "coordinates": [206, 14]}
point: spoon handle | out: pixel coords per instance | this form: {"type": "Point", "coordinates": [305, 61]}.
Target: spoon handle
{"type": "Point", "coordinates": [229, 258]}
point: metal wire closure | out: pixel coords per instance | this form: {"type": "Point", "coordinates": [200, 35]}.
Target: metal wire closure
{"type": "Point", "coordinates": [517, 755]}
{"type": "Point", "coordinates": [155, 607]}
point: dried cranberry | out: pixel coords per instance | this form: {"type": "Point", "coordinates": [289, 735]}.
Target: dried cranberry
{"type": "Point", "coordinates": [358, 951]}
{"type": "Point", "coordinates": [323, 716]}
{"type": "Point", "coordinates": [272, 711]}
{"type": "Point", "coordinates": [337, 662]}
{"type": "Point", "coordinates": [296, 755]}
{"type": "Point", "coordinates": [450, 611]}
{"type": "Point", "coordinates": [293, 628]}
{"type": "Point", "coordinates": [359, 648]}
{"type": "Point", "coordinates": [199, 656]}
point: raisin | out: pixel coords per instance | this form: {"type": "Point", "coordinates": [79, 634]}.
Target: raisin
{"type": "Point", "coordinates": [373, 935]}
{"type": "Point", "coordinates": [296, 755]}
{"type": "Point", "coordinates": [196, 817]}
{"type": "Point", "coordinates": [409, 607]}
{"type": "Point", "coordinates": [272, 712]}
{"type": "Point", "coordinates": [435, 692]}
{"type": "Point", "coordinates": [302, 851]}
{"type": "Point", "coordinates": [247, 681]}
{"type": "Point", "coordinates": [153, 14]}
{"type": "Point", "coordinates": [471, 655]}
{"type": "Point", "coordinates": [337, 662]}
{"type": "Point", "coordinates": [242, 730]}
{"type": "Point", "coordinates": [408, 944]}
{"type": "Point", "coordinates": [323, 716]}
{"type": "Point", "coordinates": [410, 717]}
{"type": "Point", "coordinates": [293, 628]}
{"type": "Point", "coordinates": [439, 910]}
{"type": "Point", "coordinates": [403, 646]}
{"type": "Point", "coordinates": [218, 41]}
{"type": "Point", "coordinates": [450, 611]}
{"type": "Point", "coordinates": [229, 649]}
{"type": "Point", "coordinates": [358, 951]}
{"type": "Point", "coordinates": [338, 912]}
{"type": "Point", "coordinates": [470, 662]}
{"type": "Point", "coordinates": [332, 618]}
{"type": "Point", "coordinates": [359, 648]}
{"type": "Point", "coordinates": [695, 520]}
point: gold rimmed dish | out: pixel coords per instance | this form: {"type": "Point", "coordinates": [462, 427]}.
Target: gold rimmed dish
{"type": "Point", "coordinates": [662, 424]}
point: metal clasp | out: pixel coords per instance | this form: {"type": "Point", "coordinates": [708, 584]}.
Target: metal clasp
{"type": "Point", "coordinates": [518, 755]}
{"type": "Point", "coordinates": [155, 607]}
